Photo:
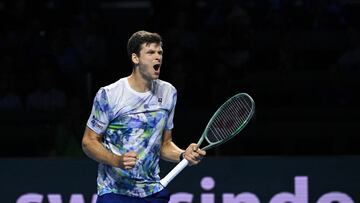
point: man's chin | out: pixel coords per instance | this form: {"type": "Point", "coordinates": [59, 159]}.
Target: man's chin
{"type": "Point", "coordinates": [155, 77]}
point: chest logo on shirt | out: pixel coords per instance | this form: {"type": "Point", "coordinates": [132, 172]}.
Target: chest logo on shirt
{"type": "Point", "coordinates": [153, 104]}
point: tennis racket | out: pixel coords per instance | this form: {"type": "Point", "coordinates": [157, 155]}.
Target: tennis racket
{"type": "Point", "coordinates": [227, 122]}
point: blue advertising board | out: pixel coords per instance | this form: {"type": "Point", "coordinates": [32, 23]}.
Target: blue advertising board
{"type": "Point", "coordinates": [216, 180]}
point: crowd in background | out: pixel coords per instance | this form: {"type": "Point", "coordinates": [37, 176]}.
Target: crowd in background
{"type": "Point", "coordinates": [54, 55]}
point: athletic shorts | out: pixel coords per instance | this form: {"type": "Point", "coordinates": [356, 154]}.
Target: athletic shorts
{"type": "Point", "coordinates": [160, 197]}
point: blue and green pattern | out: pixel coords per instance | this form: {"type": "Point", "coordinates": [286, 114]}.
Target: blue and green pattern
{"type": "Point", "coordinates": [132, 122]}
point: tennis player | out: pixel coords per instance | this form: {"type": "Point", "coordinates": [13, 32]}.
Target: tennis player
{"type": "Point", "coordinates": [130, 128]}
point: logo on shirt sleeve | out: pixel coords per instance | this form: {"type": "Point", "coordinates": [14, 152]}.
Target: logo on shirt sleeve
{"type": "Point", "coordinates": [95, 123]}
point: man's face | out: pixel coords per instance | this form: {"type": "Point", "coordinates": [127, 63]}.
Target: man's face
{"type": "Point", "coordinates": [150, 60]}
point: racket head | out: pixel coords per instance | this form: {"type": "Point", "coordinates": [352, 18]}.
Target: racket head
{"type": "Point", "coordinates": [228, 120]}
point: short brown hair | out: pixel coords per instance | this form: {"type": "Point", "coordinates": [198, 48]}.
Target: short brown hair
{"type": "Point", "coordinates": [139, 38]}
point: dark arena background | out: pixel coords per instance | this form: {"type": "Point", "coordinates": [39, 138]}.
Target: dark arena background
{"type": "Point", "coordinates": [298, 59]}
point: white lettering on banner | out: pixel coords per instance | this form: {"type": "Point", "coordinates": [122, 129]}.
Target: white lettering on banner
{"type": "Point", "coordinates": [245, 197]}
{"type": "Point", "coordinates": [335, 197]}
{"type": "Point", "coordinates": [30, 198]}
{"type": "Point", "coordinates": [207, 183]}
{"type": "Point", "coordinates": [181, 197]}
{"type": "Point", "coordinates": [55, 198]}
{"type": "Point", "coordinates": [300, 195]}
{"type": "Point", "coordinates": [52, 198]}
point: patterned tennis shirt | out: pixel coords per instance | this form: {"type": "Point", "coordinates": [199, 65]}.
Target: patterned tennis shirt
{"type": "Point", "coordinates": [132, 121]}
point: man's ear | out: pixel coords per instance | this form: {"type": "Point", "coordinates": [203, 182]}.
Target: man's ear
{"type": "Point", "coordinates": [135, 58]}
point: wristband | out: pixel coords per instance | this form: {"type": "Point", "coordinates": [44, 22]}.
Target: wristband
{"type": "Point", "coordinates": [181, 157]}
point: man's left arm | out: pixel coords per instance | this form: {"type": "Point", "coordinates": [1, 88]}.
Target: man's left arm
{"type": "Point", "coordinates": [171, 152]}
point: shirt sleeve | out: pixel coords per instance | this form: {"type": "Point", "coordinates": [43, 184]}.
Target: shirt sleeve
{"type": "Point", "coordinates": [100, 113]}
{"type": "Point", "coordinates": [169, 122]}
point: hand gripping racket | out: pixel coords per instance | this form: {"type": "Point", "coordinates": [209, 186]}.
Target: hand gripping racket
{"type": "Point", "coordinates": [227, 122]}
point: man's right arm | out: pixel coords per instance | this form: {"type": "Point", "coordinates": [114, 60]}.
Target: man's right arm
{"type": "Point", "coordinates": [93, 148]}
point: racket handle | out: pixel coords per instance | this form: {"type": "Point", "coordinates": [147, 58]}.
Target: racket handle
{"type": "Point", "coordinates": [174, 172]}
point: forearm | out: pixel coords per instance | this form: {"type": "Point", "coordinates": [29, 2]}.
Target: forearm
{"type": "Point", "coordinates": [98, 153]}
{"type": "Point", "coordinates": [170, 152]}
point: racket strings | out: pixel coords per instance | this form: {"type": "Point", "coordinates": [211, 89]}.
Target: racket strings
{"type": "Point", "coordinates": [231, 116]}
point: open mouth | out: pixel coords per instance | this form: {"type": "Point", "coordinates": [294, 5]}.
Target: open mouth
{"type": "Point", "coordinates": [156, 66]}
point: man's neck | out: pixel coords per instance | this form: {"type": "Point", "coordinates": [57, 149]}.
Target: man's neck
{"type": "Point", "coordinates": [138, 83]}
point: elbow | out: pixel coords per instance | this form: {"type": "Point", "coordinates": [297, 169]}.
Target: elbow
{"type": "Point", "coordinates": [162, 154]}
{"type": "Point", "coordinates": [85, 145]}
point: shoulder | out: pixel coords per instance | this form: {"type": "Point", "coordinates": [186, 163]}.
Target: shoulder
{"type": "Point", "coordinates": [164, 86]}
{"type": "Point", "coordinates": [113, 87]}
{"type": "Point", "coordinates": [111, 92]}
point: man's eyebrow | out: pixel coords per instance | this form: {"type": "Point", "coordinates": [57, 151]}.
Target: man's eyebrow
{"type": "Point", "coordinates": [154, 50]}
{"type": "Point", "coordinates": [150, 50]}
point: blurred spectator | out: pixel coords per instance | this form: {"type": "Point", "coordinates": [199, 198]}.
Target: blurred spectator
{"type": "Point", "coordinates": [329, 15]}
{"type": "Point", "coordinates": [67, 55]}
{"type": "Point", "coordinates": [234, 49]}
{"type": "Point", "coordinates": [46, 97]}
{"type": "Point", "coordinates": [181, 34]}
{"type": "Point", "coordinates": [349, 61]}
{"type": "Point", "coordinates": [10, 100]}
{"type": "Point", "coordinates": [88, 41]}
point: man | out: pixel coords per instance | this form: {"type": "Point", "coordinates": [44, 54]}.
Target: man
{"type": "Point", "coordinates": [130, 128]}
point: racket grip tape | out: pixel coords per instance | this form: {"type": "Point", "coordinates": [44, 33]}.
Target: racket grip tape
{"type": "Point", "coordinates": [174, 172]}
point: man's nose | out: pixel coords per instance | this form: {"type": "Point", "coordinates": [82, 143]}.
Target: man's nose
{"type": "Point", "coordinates": [158, 57]}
